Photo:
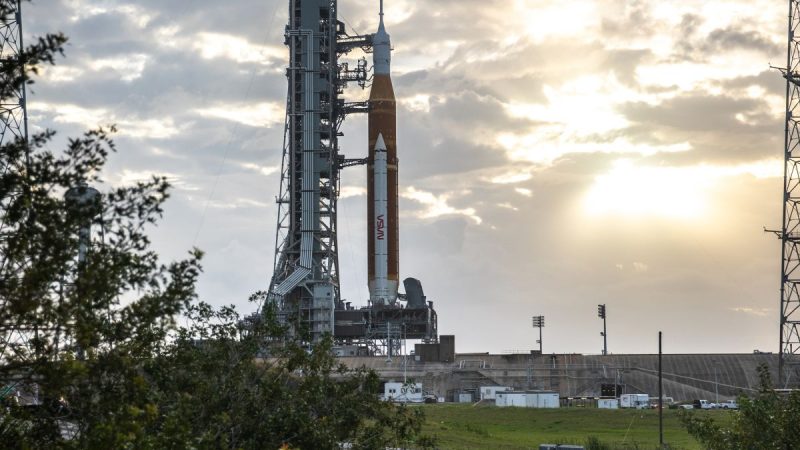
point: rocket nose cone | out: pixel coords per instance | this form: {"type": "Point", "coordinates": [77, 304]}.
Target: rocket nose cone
{"type": "Point", "coordinates": [379, 143]}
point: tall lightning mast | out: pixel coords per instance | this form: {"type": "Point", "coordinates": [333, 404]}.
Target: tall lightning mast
{"type": "Point", "coordinates": [13, 110]}
{"type": "Point", "coordinates": [14, 123]}
{"type": "Point", "coordinates": [790, 231]}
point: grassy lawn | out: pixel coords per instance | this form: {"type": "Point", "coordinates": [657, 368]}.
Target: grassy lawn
{"type": "Point", "coordinates": [460, 426]}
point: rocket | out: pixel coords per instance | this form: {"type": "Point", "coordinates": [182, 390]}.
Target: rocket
{"type": "Point", "coordinates": [383, 235]}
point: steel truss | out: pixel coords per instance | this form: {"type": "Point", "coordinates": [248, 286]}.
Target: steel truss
{"type": "Point", "coordinates": [14, 336]}
{"type": "Point", "coordinates": [790, 232]}
{"type": "Point", "coordinates": [305, 280]}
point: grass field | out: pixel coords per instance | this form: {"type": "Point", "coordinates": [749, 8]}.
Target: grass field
{"type": "Point", "coordinates": [460, 426]}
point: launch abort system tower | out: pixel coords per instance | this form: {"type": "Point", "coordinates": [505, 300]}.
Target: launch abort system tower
{"type": "Point", "coordinates": [305, 282]}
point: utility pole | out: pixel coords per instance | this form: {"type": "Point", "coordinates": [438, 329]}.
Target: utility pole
{"type": "Point", "coordinates": [601, 313]}
{"type": "Point", "coordinates": [538, 322]}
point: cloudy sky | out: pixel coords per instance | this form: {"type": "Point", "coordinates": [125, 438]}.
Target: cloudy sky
{"type": "Point", "coordinates": [553, 155]}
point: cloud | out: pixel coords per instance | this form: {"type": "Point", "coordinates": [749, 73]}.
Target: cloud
{"type": "Point", "coordinates": [523, 191]}
{"type": "Point", "coordinates": [93, 118]}
{"type": "Point", "coordinates": [253, 115]}
{"type": "Point", "coordinates": [219, 45]}
{"type": "Point", "coordinates": [269, 170]}
{"type": "Point", "coordinates": [536, 97]}
{"type": "Point", "coordinates": [761, 312]}
{"type": "Point", "coordinates": [436, 206]}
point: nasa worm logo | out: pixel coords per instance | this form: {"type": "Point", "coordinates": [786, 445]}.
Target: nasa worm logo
{"type": "Point", "coordinates": [379, 227]}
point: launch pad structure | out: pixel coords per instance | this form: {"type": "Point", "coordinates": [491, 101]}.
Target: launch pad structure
{"type": "Point", "coordinates": [305, 285]}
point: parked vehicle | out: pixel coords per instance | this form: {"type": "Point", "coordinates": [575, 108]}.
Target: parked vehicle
{"type": "Point", "coordinates": [729, 404]}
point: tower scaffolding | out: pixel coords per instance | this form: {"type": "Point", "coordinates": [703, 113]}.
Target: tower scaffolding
{"type": "Point", "coordinates": [14, 123]}
{"type": "Point", "coordinates": [789, 234]}
{"type": "Point", "coordinates": [305, 281]}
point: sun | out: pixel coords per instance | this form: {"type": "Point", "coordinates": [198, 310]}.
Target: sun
{"type": "Point", "coordinates": [667, 192]}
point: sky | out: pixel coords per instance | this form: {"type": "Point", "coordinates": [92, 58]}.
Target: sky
{"type": "Point", "coordinates": [553, 156]}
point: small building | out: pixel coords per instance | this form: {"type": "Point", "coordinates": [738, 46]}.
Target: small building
{"type": "Point", "coordinates": [638, 401]}
{"type": "Point", "coordinates": [510, 398]}
{"type": "Point", "coordinates": [608, 403]}
{"type": "Point", "coordinates": [542, 399]}
{"type": "Point", "coordinates": [489, 392]}
{"type": "Point", "coordinates": [465, 397]}
{"type": "Point", "coordinates": [527, 399]}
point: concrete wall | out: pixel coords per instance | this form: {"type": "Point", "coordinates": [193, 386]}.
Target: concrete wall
{"type": "Point", "coordinates": [686, 377]}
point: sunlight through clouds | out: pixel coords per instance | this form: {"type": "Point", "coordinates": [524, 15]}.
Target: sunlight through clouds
{"type": "Point", "coordinates": [670, 192]}
{"type": "Point", "coordinates": [218, 45]}
{"type": "Point", "coordinates": [437, 206]}
{"type": "Point", "coordinates": [547, 146]}
{"type": "Point", "coordinates": [161, 128]}
{"type": "Point", "coordinates": [250, 114]}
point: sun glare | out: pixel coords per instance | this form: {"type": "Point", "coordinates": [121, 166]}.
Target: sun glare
{"type": "Point", "coordinates": [670, 192]}
{"type": "Point", "coordinates": [648, 191]}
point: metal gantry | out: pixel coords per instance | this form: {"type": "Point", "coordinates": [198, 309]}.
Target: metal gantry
{"type": "Point", "coordinates": [790, 231]}
{"type": "Point", "coordinates": [305, 280]}
{"type": "Point", "coordinates": [14, 123]}
{"type": "Point", "coordinates": [13, 112]}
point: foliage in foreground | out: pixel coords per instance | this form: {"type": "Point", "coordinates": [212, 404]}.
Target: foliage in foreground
{"type": "Point", "coordinates": [769, 420]}
{"type": "Point", "coordinates": [294, 397]}
{"type": "Point", "coordinates": [97, 343]}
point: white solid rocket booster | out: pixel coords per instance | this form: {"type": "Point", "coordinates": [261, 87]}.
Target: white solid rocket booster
{"type": "Point", "coordinates": [380, 294]}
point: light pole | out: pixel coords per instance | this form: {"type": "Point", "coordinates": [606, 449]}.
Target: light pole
{"type": "Point", "coordinates": [538, 322]}
{"type": "Point", "coordinates": [601, 313]}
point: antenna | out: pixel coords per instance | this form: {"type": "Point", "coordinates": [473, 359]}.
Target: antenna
{"type": "Point", "coordinates": [381, 13]}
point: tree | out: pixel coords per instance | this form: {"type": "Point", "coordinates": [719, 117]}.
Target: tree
{"type": "Point", "coordinates": [96, 337]}
{"type": "Point", "coordinates": [65, 331]}
{"type": "Point", "coordinates": [769, 420]}
{"type": "Point", "coordinates": [253, 395]}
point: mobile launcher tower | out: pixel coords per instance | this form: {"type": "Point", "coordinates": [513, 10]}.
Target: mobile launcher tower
{"type": "Point", "coordinates": [305, 281]}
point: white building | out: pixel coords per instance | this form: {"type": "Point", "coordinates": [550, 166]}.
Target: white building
{"type": "Point", "coordinates": [608, 403]}
{"type": "Point", "coordinates": [542, 400]}
{"type": "Point", "coordinates": [510, 398]}
{"type": "Point", "coordinates": [638, 401]}
{"type": "Point", "coordinates": [489, 392]}
{"type": "Point", "coordinates": [527, 399]}
{"type": "Point", "coordinates": [465, 397]}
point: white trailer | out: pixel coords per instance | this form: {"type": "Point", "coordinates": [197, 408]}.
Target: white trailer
{"type": "Point", "coordinates": [542, 400]}
{"type": "Point", "coordinates": [638, 401]}
{"type": "Point", "coordinates": [510, 398]}
{"type": "Point", "coordinates": [522, 399]}
{"type": "Point", "coordinates": [608, 403]}
{"type": "Point", "coordinates": [403, 392]}
{"type": "Point", "coordinates": [489, 392]}
{"type": "Point", "coordinates": [465, 397]}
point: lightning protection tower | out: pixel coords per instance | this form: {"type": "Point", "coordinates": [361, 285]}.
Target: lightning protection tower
{"type": "Point", "coordinates": [13, 111]}
{"type": "Point", "coordinates": [305, 280]}
{"type": "Point", "coordinates": [790, 231]}
{"type": "Point", "coordinates": [14, 123]}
